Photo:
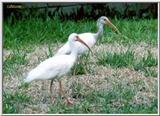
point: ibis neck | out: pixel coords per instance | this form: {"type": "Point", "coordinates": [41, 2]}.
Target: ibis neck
{"type": "Point", "coordinates": [100, 30]}
{"type": "Point", "coordinates": [74, 51]}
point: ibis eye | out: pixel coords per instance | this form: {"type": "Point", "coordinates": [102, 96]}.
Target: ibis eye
{"type": "Point", "coordinates": [105, 19]}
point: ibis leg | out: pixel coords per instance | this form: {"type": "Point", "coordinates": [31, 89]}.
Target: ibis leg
{"type": "Point", "coordinates": [52, 97]}
{"type": "Point", "coordinates": [61, 91]}
{"type": "Point", "coordinates": [69, 101]}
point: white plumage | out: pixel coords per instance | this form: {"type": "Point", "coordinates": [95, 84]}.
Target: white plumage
{"type": "Point", "coordinates": [50, 68]}
{"type": "Point", "coordinates": [89, 38]}
{"type": "Point", "coordinates": [56, 66]}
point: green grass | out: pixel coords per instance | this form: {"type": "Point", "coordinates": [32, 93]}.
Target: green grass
{"type": "Point", "coordinates": [13, 102]}
{"type": "Point", "coordinates": [117, 60]}
{"type": "Point", "coordinates": [11, 64]}
{"type": "Point", "coordinates": [31, 30]}
{"type": "Point", "coordinates": [38, 31]}
{"type": "Point", "coordinates": [128, 59]}
{"type": "Point", "coordinates": [133, 31]}
{"type": "Point", "coordinates": [145, 64]}
{"type": "Point", "coordinates": [83, 66]}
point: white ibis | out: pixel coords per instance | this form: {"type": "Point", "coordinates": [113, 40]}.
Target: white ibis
{"type": "Point", "coordinates": [89, 38]}
{"type": "Point", "coordinates": [57, 66]}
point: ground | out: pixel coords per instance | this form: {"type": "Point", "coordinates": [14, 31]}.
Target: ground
{"type": "Point", "coordinates": [99, 79]}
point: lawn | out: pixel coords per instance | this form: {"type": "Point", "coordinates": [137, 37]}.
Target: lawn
{"type": "Point", "coordinates": [122, 75]}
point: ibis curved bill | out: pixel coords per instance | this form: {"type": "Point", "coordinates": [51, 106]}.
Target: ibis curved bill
{"type": "Point", "coordinates": [57, 66]}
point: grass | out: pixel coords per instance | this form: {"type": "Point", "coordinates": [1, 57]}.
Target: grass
{"type": "Point", "coordinates": [13, 101]}
{"type": "Point", "coordinates": [29, 31]}
{"type": "Point", "coordinates": [82, 67]}
{"type": "Point", "coordinates": [25, 35]}
{"type": "Point", "coordinates": [16, 58]}
{"type": "Point", "coordinates": [124, 59]}
{"type": "Point", "coordinates": [128, 59]}
{"type": "Point", "coordinates": [119, 99]}
{"type": "Point", "coordinates": [146, 64]}
{"type": "Point", "coordinates": [135, 32]}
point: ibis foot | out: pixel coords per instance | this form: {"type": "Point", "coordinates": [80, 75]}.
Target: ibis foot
{"type": "Point", "coordinates": [70, 101]}
{"type": "Point", "coordinates": [53, 99]}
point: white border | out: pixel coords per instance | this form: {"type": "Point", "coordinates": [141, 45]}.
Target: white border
{"type": "Point", "coordinates": [156, 1]}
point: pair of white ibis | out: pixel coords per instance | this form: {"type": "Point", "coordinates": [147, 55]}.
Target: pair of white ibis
{"type": "Point", "coordinates": [62, 62]}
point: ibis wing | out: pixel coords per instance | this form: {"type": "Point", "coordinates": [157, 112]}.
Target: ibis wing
{"type": "Point", "coordinates": [51, 68]}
